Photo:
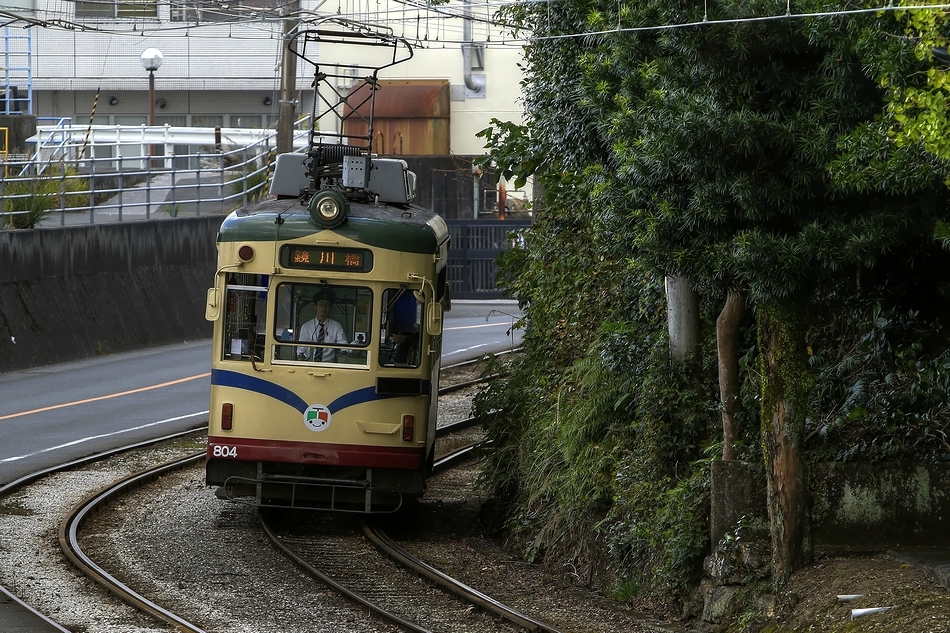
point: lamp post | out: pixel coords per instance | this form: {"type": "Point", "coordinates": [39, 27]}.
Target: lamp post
{"type": "Point", "coordinates": [151, 60]}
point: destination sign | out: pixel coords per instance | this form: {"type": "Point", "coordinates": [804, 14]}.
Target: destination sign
{"type": "Point", "coordinates": [326, 258]}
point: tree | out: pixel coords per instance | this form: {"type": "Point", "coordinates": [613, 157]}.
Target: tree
{"type": "Point", "coordinates": [750, 157]}
{"type": "Point", "coordinates": [920, 110]}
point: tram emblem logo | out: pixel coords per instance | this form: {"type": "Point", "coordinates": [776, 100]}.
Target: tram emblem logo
{"type": "Point", "coordinates": [316, 417]}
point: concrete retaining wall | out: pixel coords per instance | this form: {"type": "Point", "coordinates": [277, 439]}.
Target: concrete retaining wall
{"type": "Point", "coordinates": [74, 292]}
{"type": "Point", "coordinates": [855, 507]}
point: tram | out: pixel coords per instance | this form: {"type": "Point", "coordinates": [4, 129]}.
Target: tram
{"type": "Point", "coordinates": [327, 307]}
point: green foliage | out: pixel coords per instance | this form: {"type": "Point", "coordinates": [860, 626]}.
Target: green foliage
{"type": "Point", "coordinates": [32, 204]}
{"type": "Point", "coordinates": [754, 156]}
{"type": "Point", "coordinates": [510, 152]}
{"type": "Point", "coordinates": [942, 234]}
{"type": "Point", "coordinates": [597, 441]}
{"type": "Point", "coordinates": [27, 201]}
{"type": "Point", "coordinates": [919, 109]}
{"type": "Point", "coordinates": [747, 155]}
{"type": "Point", "coordinates": [883, 377]}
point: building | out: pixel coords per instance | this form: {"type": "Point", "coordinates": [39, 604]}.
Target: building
{"type": "Point", "coordinates": [222, 62]}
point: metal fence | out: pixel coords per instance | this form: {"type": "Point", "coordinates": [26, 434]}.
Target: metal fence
{"type": "Point", "coordinates": [474, 247]}
{"type": "Point", "coordinates": [114, 174]}
{"type": "Point", "coordinates": [110, 173]}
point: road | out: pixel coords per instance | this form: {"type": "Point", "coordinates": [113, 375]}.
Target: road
{"type": "Point", "coordinates": [50, 415]}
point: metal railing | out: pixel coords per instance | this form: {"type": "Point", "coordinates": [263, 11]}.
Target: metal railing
{"type": "Point", "coordinates": [113, 174]}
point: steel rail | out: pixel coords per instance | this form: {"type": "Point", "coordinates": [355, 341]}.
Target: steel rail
{"type": "Point", "coordinates": [456, 457]}
{"type": "Point", "coordinates": [455, 427]}
{"type": "Point", "coordinates": [4, 592]}
{"type": "Point", "coordinates": [466, 384]}
{"type": "Point", "coordinates": [25, 480]}
{"type": "Point", "coordinates": [67, 533]}
{"type": "Point", "coordinates": [475, 361]}
{"type": "Point", "coordinates": [447, 583]}
{"type": "Point", "coordinates": [385, 544]}
{"type": "Point", "coordinates": [69, 540]}
{"type": "Point", "coordinates": [477, 381]}
{"type": "Point", "coordinates": [442, 580]}
{"type": "Point", "coordinates": [440, 464]}
{"type": "Point", "coordinates": [333, 584]}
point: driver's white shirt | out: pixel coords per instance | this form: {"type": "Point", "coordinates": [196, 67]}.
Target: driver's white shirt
{"type": "Point", "coordinates": [334, 336]}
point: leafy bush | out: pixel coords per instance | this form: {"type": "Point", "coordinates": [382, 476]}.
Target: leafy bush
{"type": "Point", "coordinates": [883, 386]}
{"type": "Point", "coordinates": [33, 200]}
{"type": "Point", "coordinates": [598, 453]}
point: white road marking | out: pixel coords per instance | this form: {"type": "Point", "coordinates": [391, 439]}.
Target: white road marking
{"type": "Point", "coordinates": [96, 437]}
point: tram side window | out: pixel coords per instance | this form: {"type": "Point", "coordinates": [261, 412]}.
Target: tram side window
{"type": "Point", "coordinates": [245, 318]}
{"type": "Point", "coordinates": [400, 330]}
{"type": "Point", "coordinates": [320, 323]}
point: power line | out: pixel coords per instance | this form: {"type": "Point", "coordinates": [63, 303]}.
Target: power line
{"type": "Point", "coordinates": [707, 22]}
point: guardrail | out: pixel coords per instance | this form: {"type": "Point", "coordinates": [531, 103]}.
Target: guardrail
{"type": "Point", "coordinates": [115, 173]}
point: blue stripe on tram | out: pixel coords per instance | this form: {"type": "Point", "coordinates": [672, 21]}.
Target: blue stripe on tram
{"type": "Point", "coordinates": [226, 378]}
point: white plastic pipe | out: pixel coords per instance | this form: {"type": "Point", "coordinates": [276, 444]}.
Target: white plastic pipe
{"type": "Point", "coordinates": [857, 613]}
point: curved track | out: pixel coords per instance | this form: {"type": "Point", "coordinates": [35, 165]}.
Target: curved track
{"type": "Point", "coordinates": [28, 479]}
{"type": "Point", "coordinates": [69, 541]}
{"type": "Point", "coordinates": [339, 575]}
{"type": "Point", "coordinates": [69, 529]}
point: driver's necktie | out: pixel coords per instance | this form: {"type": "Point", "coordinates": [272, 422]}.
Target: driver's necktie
{"type": "Point", "coordinates": [321, 336]}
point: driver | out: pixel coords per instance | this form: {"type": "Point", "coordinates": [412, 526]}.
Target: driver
{"type": "Point", "coordinates": [321, 329]}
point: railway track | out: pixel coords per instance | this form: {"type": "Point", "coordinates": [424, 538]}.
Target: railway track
{"type": "Point", "coordinates": [360, 585]}
{"type": "Point", "coordinates": [401, 597]}
{"type": "Point", "coordinates": [332, 549]}
{"type": "Point", "coordinates": [337, 551]}
{"type": "Point", "coordinates": [176, 574]}
{"type": "Point", "coordinates": [70, 527]}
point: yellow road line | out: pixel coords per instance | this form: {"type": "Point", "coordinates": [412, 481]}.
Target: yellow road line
{"type": "Point", "coordinates": [106, 397]}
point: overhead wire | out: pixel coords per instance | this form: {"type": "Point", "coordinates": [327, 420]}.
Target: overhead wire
{"type": "Point", "coordinates": [443, 32]}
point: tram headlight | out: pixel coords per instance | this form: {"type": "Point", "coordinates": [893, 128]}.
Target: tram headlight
{"type": "Point", "coordinates": [328, 208]}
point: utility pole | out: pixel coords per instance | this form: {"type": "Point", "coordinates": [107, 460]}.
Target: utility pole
{"type": "Point", "coordinates": [288, 84]}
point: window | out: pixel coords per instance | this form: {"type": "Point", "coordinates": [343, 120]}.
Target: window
{"type": "Point", "coordinates": [400, 329]}
{"type": "Point", "coordinates": [106, 9]}
{"type": "Point", "coordinates": [320, 323]}
{"type": "Point", "coordinates": [216, 11]}
{"type": "Point", "coordinates": [249, 121]}
{"type": "Point", "coordinates": [207, 120]}
{"type": "Point", "coordinates": [245, 317]}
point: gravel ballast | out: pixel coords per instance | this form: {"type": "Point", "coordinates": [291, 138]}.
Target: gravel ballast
{"type": "Point", "coordinates": [208, 561]}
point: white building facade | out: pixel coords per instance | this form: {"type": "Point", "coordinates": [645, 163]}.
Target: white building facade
{"type": "Point", "coordinates": [222, 61]}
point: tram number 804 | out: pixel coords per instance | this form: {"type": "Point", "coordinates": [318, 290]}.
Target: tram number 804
{"type": "Point", "coordinates": [224, 451]}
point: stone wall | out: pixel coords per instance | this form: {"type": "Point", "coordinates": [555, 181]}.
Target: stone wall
{"type": "Point", "coordinates": [855, 506]}
{"type": "Point", "coordinates": [74, 292]}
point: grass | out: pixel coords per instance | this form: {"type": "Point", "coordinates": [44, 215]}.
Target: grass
{"type": "Point", "coordinates": [27, 201]}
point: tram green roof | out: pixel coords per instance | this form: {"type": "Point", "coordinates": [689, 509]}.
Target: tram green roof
{"type": "Point", "coordinates": [382, 227]}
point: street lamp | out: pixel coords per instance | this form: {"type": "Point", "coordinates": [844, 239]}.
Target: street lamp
{"type": "Point", "coordinates": [151, 60]}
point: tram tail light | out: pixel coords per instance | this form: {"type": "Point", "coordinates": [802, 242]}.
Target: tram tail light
{"type": "Point", "coordinates": [227, 415]}
{"type": "Point", "coordinates": [408, 428]}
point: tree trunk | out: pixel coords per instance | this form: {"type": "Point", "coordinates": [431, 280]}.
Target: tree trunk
{"type": "Point", "coordinates": [682, 315]}
{"type": "Point", "coordinates": [727, 335]}
{"type": "Point", "coordinates": [786, 387]}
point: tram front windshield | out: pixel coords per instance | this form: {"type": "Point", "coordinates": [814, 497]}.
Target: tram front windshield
{"type": "Point", "coordinates": [320, 323]}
